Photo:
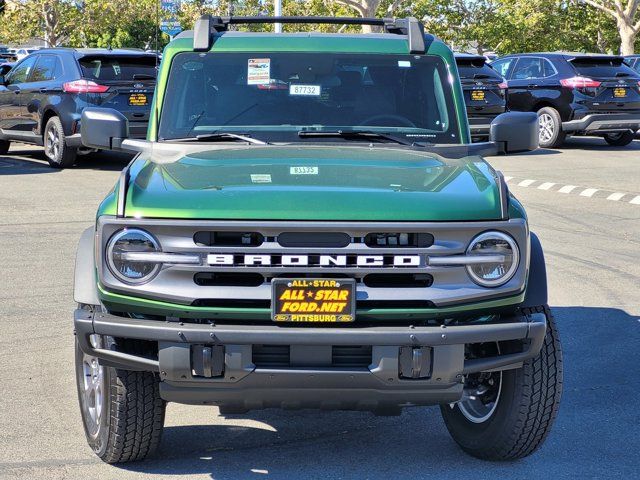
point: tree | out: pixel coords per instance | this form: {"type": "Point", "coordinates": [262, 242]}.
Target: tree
{"type": "Point", "coordinates": [48, 20]}
{"type": "Point", "coordinates": [365, 8]}
{"type": "Point", "coordinates": [624, 14]}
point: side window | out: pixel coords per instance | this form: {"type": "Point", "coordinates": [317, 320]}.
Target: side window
{"type": "Point", "coordinates": [528, 68]}
{"type": "Point", "coordinates": [46, 68]}
{"type": "Point", "coordinates": [21, 72]}
{"type": "Point", "coordinates": [636, 66]}
{"type": "Point", "coordinates": [502, 66]}
{"type": "Point", "coordinates": [548, 68]}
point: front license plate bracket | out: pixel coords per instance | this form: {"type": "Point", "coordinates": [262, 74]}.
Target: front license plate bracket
{"type": "Point", "coordinates": [314, 300]}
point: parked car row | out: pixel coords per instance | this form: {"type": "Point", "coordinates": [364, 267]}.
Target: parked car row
{"type": "Point", "coordinates": [572, 93]}
{"type": "Point", "coordinates": [42, 97]}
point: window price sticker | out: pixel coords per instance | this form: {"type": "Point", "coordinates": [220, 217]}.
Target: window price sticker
{"type": "Point", "coordinates": [259, 71]}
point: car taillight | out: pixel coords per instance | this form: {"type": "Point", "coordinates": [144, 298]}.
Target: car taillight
{"type": "Point", "coordinates": [579, 82]}
{"type": "Point", "coordinates": [84, 86]}
{"type": "Point", "coordinates": [503, 85]}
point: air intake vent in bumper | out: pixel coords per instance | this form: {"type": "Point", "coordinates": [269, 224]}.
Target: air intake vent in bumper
{"type": "Point", "coordinates": [326, 356]}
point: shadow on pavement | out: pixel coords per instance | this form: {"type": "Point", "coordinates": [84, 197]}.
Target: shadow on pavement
{"type": "Point", "coordinates": [595, 434]}
{"type": "Point", "coordinates": [26, 162]}
{"type": "Point", "coordinates": [596, 143]}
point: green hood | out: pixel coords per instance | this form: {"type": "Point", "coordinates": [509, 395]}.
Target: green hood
{"type": "Point", "coordinates": [339, 183]}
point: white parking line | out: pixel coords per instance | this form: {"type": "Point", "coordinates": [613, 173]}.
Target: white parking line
{"type": "Point", "coordinates": [588, 192]}
{"type": "Point", "coordinates": [577, 190]}
{"type": "Point", "coordinates": [525, 183]}
{"type": "Point", "coordinates": [616, 196]}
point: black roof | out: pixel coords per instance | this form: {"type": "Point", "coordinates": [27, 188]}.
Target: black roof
{"type": "Point", "coordinates": [565, 55]}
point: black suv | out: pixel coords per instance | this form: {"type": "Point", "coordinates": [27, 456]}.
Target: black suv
{"type": "Point", "coordinates": [484, 92]}
{"type": "Point", "coordinates": [574, 94]}
{"type": "Point", "coordinates": [43, 96]}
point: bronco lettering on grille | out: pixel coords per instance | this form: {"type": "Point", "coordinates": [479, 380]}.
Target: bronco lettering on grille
{"type": "Point", "coordinates": [253, 260]}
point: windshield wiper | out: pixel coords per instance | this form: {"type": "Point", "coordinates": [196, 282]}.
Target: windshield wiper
{"type": "Point", "coordinates": [355, 135]}
{"type": "Point", "coordinates": [220, 137]}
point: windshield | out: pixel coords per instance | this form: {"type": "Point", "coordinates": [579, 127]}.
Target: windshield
{"type": "Point", "coordinates": [276, 95]}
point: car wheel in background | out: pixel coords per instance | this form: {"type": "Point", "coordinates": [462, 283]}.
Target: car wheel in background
{"type": "Point", "coordinates": [4, 146]}
{"type": "Point", "coordinates": [58, 153]}
{"type": "Point", "coordinates": [551, 134]}
{"type": "Point", "coordinates": [620, 139]}
{"type": "Point", "coordinates": [506, 415]}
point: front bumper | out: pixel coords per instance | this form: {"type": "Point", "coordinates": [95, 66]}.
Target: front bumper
{"type": "Point", "coordinates": [242, 385]}
{"type": "Point", "coordinates": [600, 122]}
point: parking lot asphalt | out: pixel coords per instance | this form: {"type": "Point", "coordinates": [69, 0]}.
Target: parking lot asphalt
{"type": "Point", "coordinates": [592, 246]}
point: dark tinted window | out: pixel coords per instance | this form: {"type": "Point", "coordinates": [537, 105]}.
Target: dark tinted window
{"type": "Point", "coordinates": [602, 67]}
{"type": "Point", "coordinates": [502, 65]}
{"type": "Point", "coordinates": [286, 92]}
{"type": "Point", "coordinates": [475, 68]}
{"type": "Point", "coordinates": [47, 68]}
{"type": "Point", "coordinates": [20, 73]}
{"type": "Point", "coordinates": [636, 66]}
{"type": "Point", "coordinates": [113, 68]}
{"type": "Point", "coordinates": [528, 67]}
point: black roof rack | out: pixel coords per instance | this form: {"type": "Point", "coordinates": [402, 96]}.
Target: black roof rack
{"type": "Point", "coordinates": [207, 25]}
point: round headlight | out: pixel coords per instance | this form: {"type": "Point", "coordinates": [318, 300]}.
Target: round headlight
{"type": "Point", "coordinates": [490, 246]}
{"type": "Point", "coordinates": [132, 240]}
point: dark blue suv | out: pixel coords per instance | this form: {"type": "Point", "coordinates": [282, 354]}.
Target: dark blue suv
{"type": "Point", "coordinates": [43, 96]}
{"type": "Point", "coordinates": [574, 94]}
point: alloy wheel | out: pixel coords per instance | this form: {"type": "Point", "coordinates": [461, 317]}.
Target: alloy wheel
{"type": "Point", "coordinates": [93, 390]}
{"type": "Point", "coordinates": [52, 143]}
{"type": "Point", "coordinates": [547, 127]}
{"type": "Point", "coordinates": [481, 396]}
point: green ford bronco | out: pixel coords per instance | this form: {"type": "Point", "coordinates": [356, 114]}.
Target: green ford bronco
{"type": "Point", "coordinates": [308, 225]}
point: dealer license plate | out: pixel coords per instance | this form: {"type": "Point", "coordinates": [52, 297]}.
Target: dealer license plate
{"type": "Point", "coordinates": [477, 95]}
{"type": "Point", "coordinates": [619, 92]}
{"type": "Point", "coordinates": [318, 300]}
{"type": "Point", "coordinates": [138, 100]}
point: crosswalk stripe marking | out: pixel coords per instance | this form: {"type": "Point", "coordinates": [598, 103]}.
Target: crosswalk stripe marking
{"type": "Point", "coordinates": [546, 186]}
{"type": "Point", "coordinates": [567, 189]}
{"type": "Point", "coordinates": [616, 196]}
{"type": "Point", "coordinates": [588, 192]}
{"type": "Point", "coordinates": [635, 200]}
{"type": "Point", "coordinates": [525, 183]}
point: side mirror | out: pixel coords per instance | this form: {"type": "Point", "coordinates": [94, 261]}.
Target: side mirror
{"type": "Point", "coordinates": [515, 132]}
{"type": "Point", "coordinates": [103, 128]}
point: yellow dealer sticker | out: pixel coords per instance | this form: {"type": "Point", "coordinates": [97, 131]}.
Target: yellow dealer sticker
{"type": "Point", "coordinates": [477, 95]}
{"type": "Point", "coordinates": [313, 300]}
{"type": "Point", "coordinates": [138, 100]}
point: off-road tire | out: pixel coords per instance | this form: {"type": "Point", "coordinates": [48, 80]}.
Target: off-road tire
{"type": "Point", "coordinates": [133, 412]}
{"type": "Point", "coordinates": [58, 153]}
{"type": "Point", "coordinates": [620, 139]}
{"type": "Point", "coordinates": [526, 409]}
{"type": "Point", "coordinates": [555, 136]}
{"type": "Point", "coordinates": [4, 147]}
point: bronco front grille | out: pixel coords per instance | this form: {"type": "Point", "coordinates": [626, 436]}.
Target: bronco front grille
{"type": "Point", "coordinates": [237, 260]}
